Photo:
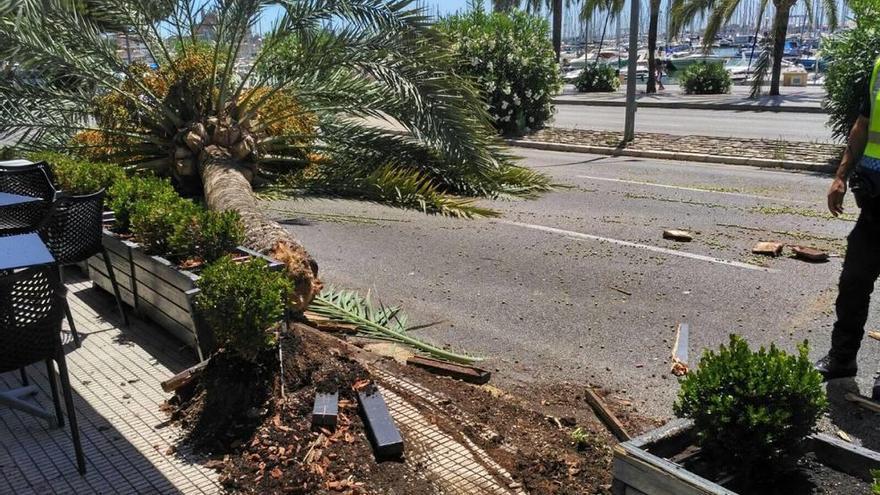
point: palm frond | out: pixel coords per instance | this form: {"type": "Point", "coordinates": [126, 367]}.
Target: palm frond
{"type": "Point", "coordinates": [383, 323]}
{"type": "Point", "coordinates": [762, 68]}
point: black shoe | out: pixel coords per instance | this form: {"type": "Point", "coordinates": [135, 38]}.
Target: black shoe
{"type": "Point", "coordinates": [831, 368]}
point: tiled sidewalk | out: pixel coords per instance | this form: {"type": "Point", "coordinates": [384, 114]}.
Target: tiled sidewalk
{"type": "Point", "coordinates": [115, 377]}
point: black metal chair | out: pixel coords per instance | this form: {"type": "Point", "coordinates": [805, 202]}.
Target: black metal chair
{"type": "Point", "coordinates": [73, 233]}
{"type": "Point", "coordinates": [31, 311]}
{"type": "Point", "coordinates": [34, 180]}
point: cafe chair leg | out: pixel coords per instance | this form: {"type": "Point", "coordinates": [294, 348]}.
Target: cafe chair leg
{"type": "Point", "coordinates": [73, 331]}
{"type": "Point", "coordinates": [71, 411]}
{"type": "Point", "coordinates": [115, 286]}
{"type": "Point", "coordinates": [53, 385]}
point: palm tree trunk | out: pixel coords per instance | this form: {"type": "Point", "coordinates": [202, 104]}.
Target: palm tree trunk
{"type": "Point", "coordinates": [227, 186]}
{"type": "Point", "coordinates": [602, 39]}
{"type": "Point", "coordinates": [652, 46]}
{"type": "Point", "coordinates": [557, 29]}
{"type": "Point", "coordinates": [780, 29]}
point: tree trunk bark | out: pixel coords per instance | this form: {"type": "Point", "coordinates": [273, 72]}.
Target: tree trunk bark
{"type": "Point", "coordinates": [652, 46]}
{"type": "Point", "coordinates": [780, 29]}
{"type": "Point", "coordinates": [227, 186]}
{"type": "Point", "coordinates": [557, 29]}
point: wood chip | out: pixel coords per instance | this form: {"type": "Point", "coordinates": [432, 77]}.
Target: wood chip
{"type": "Point", "coordinates": [678, 235]}
{"type": "Point", "coordinates": [809, 254]}
{"type": "Point", "coordinates": [768, 248]}
{"type": "Point", "coordinates": [844, 436]}
{"type": "Point", "coordinates": [874, 334]}
{"type": "Point", "coordinates": [680, 350]}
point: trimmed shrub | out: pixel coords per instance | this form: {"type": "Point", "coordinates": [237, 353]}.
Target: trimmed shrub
{"type": "Point", "coordinates": [752, 409]}
{"type": "Point", "coordinates": [851, 55]}
{"type": "Point", "coordinates": [75, 176]}
{"type": "Point", "coordinates": [207, 235]}
{"type": "Point", "coordinates": [240, 302]}
{"type": "Point", "coordinates": [703, 78]}
{"type": "Point", "coordinates": [124, 195]}
{"type": "Point", "coordinates": [597, 78]}
{"type": "Point", "coordinates": [511, 58]}
{"type": "Point", "coordinates": [155, 220]}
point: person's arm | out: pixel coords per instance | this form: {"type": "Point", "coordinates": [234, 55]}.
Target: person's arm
{"type": "Point", "coordinates": [855, 148]}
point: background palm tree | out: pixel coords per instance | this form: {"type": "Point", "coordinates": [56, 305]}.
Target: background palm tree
{"type": "Point", "coordinates": [721, 11]}
{"type": "Point", "coordinates": [612, 10]}
{"type": "Point", "coordinates": [219, 128]}
{"type": "Point", "coordinates": [653, 21]}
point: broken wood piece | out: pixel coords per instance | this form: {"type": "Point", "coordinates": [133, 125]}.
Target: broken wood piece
{"type": "Point", "coordinates": [461, 372]}
{"type": "Point", "coordinates": [809, 254]}
{"type": "Point", "coordinates": [184, 377]}
{"type": "Point", "coordinates": [383, 433]}
{"type": "Point", "coordinates": [874, 334]}
{"type": "Point", "coordinates": [768, 248]}
{"type": "Point", "coordinates": [326, 410]}
{"type": "Point", "coordinates": [680, 350]}
{"type": "Point", "coordinates": [625, 293]}
{"type": "Point", "coordinates": [328, 325]}
{"type": "Point", "coordinates": [606, 415]}
{"type": "Point", "coordinates": [844, 436]}
{"type": "Point", "coordinates": [678, 235]}
{"type": "Point", "coordinates": [863, 402]}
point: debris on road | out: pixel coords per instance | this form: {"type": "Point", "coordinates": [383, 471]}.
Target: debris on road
{"type": "Point", "coordinates": [462, 372]}
{"type": "Point", "coordinates": [680, 350]}
{"type": "Point", "coordinates": [863, 402]}
{"type": "Point", "coordinates": [678, 235]}
{"type": "Point", "coordinates": [844, 436]}
{"type": "Point", "coordinates": [606, 415]}
{"type": "Point", "coordinates": [625, 293]}
{"type": "Point", "coordinates": [382, 431]}
{"type": "Point", "coordinates": [325, 410]}
{"type": "Point", "coordinates": [874, 334]}
{"type": "Point", "coordinates": [809, 254]}
{"type": "Point", "coordinates": [768, 248]}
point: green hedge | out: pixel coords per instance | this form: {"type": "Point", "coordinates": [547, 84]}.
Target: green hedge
{"type": "Point", "coordinates": [704, 78]}
{"type": "Point", "coordinates": [512, 59]}
{"type": "Point", "coordinates": [851, 55]}
{"type": "Point", "coordinates": [76, 176]}
{"type": "Point", "coordinates": [597, 78]}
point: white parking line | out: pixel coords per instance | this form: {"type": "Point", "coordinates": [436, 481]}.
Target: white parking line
{"type": "Point", "coordinates": [647, 247]}
{"type": "Point", "coordinates": [696, 189]}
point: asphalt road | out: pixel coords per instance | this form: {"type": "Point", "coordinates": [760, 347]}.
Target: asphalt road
{"type": "Point", "coordinates": [579, 285]}
{"type": "Point", "coordinates": [768, 125]}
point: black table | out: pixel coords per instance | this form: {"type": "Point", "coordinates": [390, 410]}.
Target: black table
{"type": "Point", "coordinates": [9, 199]}
{"type": "Point", "coordinates": [22, 251]}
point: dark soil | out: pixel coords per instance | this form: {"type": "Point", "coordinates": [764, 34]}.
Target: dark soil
{"type": "Point", "coordinates": [270, 448]}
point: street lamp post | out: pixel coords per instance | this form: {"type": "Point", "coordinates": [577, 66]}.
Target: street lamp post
{"type": "Point", "coordinates": [629, 129]}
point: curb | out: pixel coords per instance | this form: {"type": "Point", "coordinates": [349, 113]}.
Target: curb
{"type": "Point", "coordinates": [671, 155]}
{"type": "Point", "coordinates": [736, 107]}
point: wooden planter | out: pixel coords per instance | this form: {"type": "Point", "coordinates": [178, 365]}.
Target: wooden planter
{"type": "Point", "coordinates": [642, 465]}
{"type": "Point", "coordinates": [158, 290]}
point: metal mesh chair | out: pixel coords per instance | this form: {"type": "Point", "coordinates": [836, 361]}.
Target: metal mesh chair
{"type": "Point", "coordinates": [31, 311]}
{"type": "Point", "coordinates": [33, 180]}
{"type": "Point", "coordinates": [73, 233]}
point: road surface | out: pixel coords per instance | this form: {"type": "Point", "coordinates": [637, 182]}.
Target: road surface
{"type": "Point", "coordinates": [579, 285]}
{"type": "Point", "coordinates": [768, 125]}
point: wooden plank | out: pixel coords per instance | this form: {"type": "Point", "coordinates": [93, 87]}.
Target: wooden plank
{"type": "Point", "coordinates": [173, 293]}
{"type": "Point", "coordinates": [657, 476]}
{"type": "Point", "coordinates": [680, 350]}
{"type": "Point", "coordinates": [101, 280]}
{"type": "Point", "coordinates": [606, 415]}
{"type": "Point", "coordinates": [863, 401]}
{"type": "Point", "coordinates": [121, 275]}
{"type": "Point", "coordinates": [172, 310]}
{"type": "Point", "coordinates": [171, 325]}
{"type": "Point", "coordinates": [846, 457]}
{"type": "Point", "coordinates": [164, 269]}
{"type": "Point", "coordinates": [184, 377]}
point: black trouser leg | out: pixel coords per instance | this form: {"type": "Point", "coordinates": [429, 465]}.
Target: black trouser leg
{"type": "Point", "coordinates": [861, 267]}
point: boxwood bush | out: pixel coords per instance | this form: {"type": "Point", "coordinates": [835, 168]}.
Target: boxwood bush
{"type": "Point", "coordinates": [597, 78]}
{"type": "Point", "coordinates": [752, 409]}
{"type": "Point", "coordinates": [851, 55]}
{"type": "Point", "coordinates": [511, 58]}
{"type": "Point", "coordinates": [207, 235]}
{"type": "Point", "coordinates": [124, 195]}
{"type": "Point", "coordinates": [704, 78]}
{"type": "Point", "coordinates": [76, 176]}
{"type": "Point", "coordinates": [240, 302]}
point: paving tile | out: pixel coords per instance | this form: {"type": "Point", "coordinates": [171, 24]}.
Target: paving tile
{"type": "Point", "coordinates": [115, 376]}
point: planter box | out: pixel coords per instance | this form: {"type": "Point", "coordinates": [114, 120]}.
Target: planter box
{"type": "Point", "coordinates": [157, 289]}
{"type": "Point", "coordinates": [642, 465]}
